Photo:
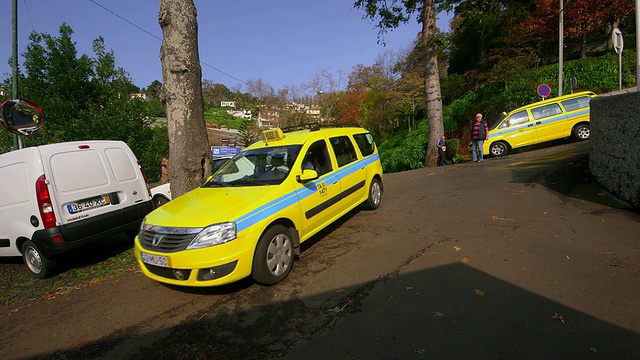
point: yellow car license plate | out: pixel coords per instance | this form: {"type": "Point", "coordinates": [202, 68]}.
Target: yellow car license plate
{"type": "Point", "coordinates": [156, 260]}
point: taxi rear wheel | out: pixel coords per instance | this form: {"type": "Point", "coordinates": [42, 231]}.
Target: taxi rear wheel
{"type": "Point", "coordinates": [274, 255]}
{"type": "Point", "coordinates": [582, 132]}
{"type": "Point", "coordinates": [498, 149]}
{"type": "Point", "coordinates": [375, 195]}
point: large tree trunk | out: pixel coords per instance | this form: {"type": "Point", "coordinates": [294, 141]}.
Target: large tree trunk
{"type": "Point", "coordinates": [189, 150]}
{"type": "Point", "coordinates": [432, 81]}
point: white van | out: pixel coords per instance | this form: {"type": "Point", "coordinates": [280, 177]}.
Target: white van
{"type": "Point", "coordinates": [57, 197]}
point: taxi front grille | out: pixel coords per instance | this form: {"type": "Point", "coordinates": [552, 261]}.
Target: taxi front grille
{"type": "Point", "coordinates": [162, 242]}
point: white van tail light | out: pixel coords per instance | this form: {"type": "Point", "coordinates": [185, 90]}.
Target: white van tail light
{"type": "Point", "coordinates": [144, 176]}
{"type": "Point", "coordinates": [44, 203]}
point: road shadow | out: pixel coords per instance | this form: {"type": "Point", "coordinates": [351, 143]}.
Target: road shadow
{"type": "Point", "coordinates": [449, 312]}
{"type": "Point", "coordinates": [563, 167]}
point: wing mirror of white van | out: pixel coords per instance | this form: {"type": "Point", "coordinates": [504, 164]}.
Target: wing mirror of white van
{"type": "Point", "coordinates": [21, 116]}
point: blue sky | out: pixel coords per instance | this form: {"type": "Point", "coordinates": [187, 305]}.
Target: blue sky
{"type": "Point", "coordinates": [282, 42]}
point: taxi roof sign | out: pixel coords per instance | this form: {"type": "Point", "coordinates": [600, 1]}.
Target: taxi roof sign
{"type": "Point", "coordinates": [273, 135]}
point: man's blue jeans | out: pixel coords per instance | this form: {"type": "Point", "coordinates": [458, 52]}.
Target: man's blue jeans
{"type": "Point", "coordinates": [476, 147]}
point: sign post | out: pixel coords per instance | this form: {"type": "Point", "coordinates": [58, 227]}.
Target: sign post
{"type": "Point", "coordinates": [544, 90]}
{"type": "Point", "coordinates": [573, 82]}
{"type": "Point", "coordinates": [618, 45]}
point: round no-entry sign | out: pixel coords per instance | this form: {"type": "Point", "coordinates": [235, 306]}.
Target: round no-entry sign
{"type": "Point", "coordinates": [544, 90]}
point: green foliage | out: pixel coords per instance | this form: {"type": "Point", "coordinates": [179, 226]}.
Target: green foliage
{"type": "Point", "coordinates": [157, 147]}
{"type": "Point", "coordinates": [453, 145]}
{"type": "Point", "coordinates": [456, 113]}
{"type": "Point", "coordinates": [405, 151]}
{"type": "Point", "coordinates": [86, 98]}
{"type": "Point", "coordinates": [155, 108]}
{"type": "Point", "coordinates": [249, 132]}
{"type": "Point", "coordinates": [518, 88]}
{"type": "Point", "coordinates": [222, 118]}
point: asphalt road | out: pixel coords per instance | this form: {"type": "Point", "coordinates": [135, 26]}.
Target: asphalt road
{"type": "Point", "coordinates": [520, 257]}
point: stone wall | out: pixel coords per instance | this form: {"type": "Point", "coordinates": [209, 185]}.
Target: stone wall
{"type": "Point", "coordinates": [614, 159]}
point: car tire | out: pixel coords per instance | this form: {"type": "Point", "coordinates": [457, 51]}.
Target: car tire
{"type": "Point", "coordinates": [274, 255]}
{"type": "Point", "coordinates": [38, 264]}
{"type": "Point", "coordinates": [375, 195]}
{"type": "Point", "coordinates": [499, 148]}
{"type": "Point", "coordinates": [582, 132]}
{"type": "Point", "coordinates": [159, 200]}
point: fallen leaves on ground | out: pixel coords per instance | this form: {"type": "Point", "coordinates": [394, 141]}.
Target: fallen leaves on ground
{"type": "Point", "coordinates": [457, 248]}
{"type": "Point", "coordinates": [390, 298]}
{"type": "Point", "coordinates": [479, 292]}
{"type": "Point", "coordinates": [494, 218]}
{"type": "Point", "coordinates": [335, 310]}
{"type": "Point", "coordinates": [464, 260]}
{"type": "Point", "coordinates": [438, 314]}
{"type": "Point", "coordinates": [558, 317]}
{"type": "Point", "coordinates": [421, 350]}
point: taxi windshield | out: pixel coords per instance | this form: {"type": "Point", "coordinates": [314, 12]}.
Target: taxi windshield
{"type": "Point", "coordinates": [257, 167]}
{"type": "Point", "coordinates": [498, 122]}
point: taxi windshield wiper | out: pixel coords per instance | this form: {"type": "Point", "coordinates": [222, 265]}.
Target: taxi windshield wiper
{"type": "Point", "coordinates": [246, 181]}
{"type": "Point", "coordinates": [214, 183]}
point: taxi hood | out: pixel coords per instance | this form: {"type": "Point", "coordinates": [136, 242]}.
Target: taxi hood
{"type": "Point", "coordinates": [202, 207]}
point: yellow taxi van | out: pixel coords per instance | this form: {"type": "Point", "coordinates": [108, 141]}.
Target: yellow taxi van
{"type": "Point", "coordinates": [250, 217]}
{"type": "Point", "coordinates": [546, 120]}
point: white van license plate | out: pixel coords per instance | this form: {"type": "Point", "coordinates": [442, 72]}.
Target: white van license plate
{"type": "Point", "coordinates": [156, 260]}
{"type": "Point", "coordinates": [84, 205]}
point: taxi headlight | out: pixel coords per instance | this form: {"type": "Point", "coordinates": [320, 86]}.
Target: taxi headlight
{"type": "Point", "coordinates": [214, 235]}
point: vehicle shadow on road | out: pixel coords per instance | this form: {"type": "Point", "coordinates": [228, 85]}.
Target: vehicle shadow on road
{"type": "Point", "coordinates": [449, 312]}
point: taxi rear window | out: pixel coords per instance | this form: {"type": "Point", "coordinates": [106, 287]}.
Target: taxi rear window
{"type": "Point", "coordinates": [365, 143]}
{"type": "Point", "coordinates": [575, 104]}
{"type": "Point", "coordinates": [546, 111]}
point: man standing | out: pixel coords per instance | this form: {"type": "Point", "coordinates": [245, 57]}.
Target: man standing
{"type": "Point", "coordinates": [479, 133]}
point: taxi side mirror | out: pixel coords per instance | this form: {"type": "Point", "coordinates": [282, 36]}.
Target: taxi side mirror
{"type": "Point", "coordinates": [307, 175]}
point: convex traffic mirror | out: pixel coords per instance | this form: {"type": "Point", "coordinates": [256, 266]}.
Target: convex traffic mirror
{"type": "Point", "coordinates": [21, 116]}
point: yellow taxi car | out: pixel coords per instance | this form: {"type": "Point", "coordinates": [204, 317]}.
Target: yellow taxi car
{"type": "Point", "coordinates": [251, 216]}
{"type": "Point", "coordinates": [546, 120]}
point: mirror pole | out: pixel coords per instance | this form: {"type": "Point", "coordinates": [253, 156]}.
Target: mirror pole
{"type": "Point", "coordinates": [17, 141]}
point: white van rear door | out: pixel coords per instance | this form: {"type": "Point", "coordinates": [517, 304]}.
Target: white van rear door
{"type": "Point", "coordinates": [80, 179]}
{"type": "Point", "coordinates": [131, 187]}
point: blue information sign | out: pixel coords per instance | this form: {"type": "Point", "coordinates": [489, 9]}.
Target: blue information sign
{"type": "Point", "coordinates": [544, 90]}
{"type": "Point", "coordinates": [218, 151]}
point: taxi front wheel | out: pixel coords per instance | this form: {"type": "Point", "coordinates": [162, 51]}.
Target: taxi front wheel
{"type": "Point", "coordinates": [273, 258]}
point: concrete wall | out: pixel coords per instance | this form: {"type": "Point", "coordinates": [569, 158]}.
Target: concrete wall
{"type": "Point", "coordinates": [614, 159]}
